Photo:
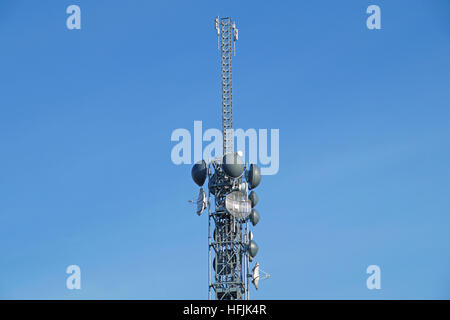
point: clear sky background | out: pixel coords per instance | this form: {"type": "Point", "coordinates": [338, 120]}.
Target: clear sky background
{"type": "Point", "coordinates": [86, 117]}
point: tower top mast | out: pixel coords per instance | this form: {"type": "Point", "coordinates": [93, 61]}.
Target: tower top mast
{"type": "Point", "coordinates": [227, 34]}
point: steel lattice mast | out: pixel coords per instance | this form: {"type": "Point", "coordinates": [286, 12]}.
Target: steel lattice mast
{"type": "Point", "coordinates": [228, 243]}
{"type": "Point", "coordinates": [230, 207]}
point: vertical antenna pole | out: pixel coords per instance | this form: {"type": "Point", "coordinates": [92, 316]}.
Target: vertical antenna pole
{"type": "Point", "coordinates": [227, 108]}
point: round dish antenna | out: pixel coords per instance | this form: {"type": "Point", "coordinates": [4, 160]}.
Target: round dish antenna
{"type": "Point", "coordinates": [238, 204]}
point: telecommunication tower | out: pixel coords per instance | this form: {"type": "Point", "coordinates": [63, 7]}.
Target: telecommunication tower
{"type": "Point", "coordinates": [231, 247]}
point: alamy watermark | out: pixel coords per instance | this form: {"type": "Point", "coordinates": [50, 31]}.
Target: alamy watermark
{"type": "Point", "coordinates": [373, 22]}
{"type": "Point", "coordinates": [74, 20]}
{"type": "Point", "coordinates": [74, 280]}
{"type": "Point", "coordinates": [189, 148]}
{"type": "Point", "coordinates": [374, 280]}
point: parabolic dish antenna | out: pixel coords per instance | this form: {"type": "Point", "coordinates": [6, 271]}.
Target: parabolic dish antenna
{"type": "Point", "coordinates": [258, 275]}
{"type": "Point", "coordinates": [201, 201]}
{"type": "Point", "coordinates": [238, 204]}
{"type": "Point", "coordinates": [255, 275]}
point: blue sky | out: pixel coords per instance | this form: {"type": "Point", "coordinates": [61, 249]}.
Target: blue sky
{"type": "Point", "coordinates": [86, 117]}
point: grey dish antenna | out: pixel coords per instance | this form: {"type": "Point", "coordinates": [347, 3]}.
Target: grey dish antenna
{"type": "Point", "coordinates": [233, 165]}
{"type": "Point", "coordinates": [252, 248]}
{"type": "Point", "coordinates": [254, 176]}
{"type": "Point", "coordinates": [253, 197]}
{"type": "Point", "coordinates": [199, 172]}
{"type": "Point", "coordinates": [254, 217]}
